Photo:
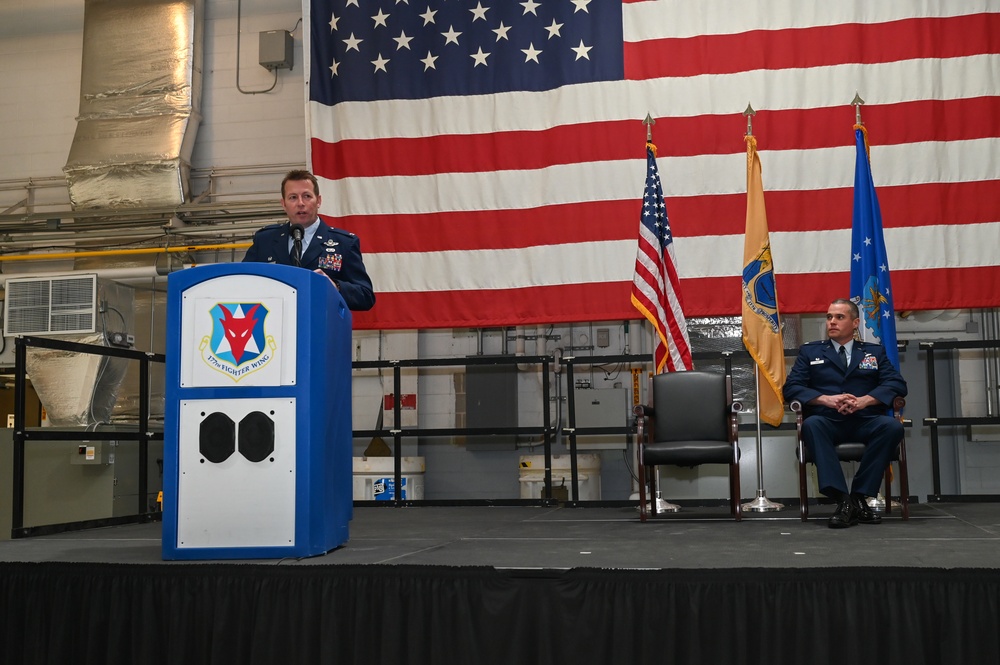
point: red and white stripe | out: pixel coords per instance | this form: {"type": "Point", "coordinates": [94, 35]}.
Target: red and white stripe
{"type": "Point", "coordinates": [655, 287]}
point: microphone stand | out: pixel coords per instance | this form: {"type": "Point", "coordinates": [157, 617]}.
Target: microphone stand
{"type": "Point", "coordinates": [297, 234]}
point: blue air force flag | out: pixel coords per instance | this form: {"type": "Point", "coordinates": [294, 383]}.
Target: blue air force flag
{"type": "Point", "coordinates": [871, 289]}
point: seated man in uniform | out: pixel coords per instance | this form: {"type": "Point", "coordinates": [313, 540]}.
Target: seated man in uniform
{"type": "Point", "coordinates": [845, 386]}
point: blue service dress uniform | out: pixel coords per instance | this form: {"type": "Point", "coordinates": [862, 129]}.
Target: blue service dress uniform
{"type": "Point", "coordinates": [818, 371]}
{"type": "Point", "coordinates": [335, 251]}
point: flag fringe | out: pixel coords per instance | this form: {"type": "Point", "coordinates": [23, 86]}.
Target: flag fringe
{"type": "Point", "coordinates": [864, 132]}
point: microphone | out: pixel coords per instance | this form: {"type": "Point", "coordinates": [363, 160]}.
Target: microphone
{"type": "Point", "coordinates": [297, 233]}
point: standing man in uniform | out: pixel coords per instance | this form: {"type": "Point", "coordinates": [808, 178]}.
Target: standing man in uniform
{"type": "Point", "coordinates": [845, 386]}
{"type": "Point", "coordinates": [307, 242]}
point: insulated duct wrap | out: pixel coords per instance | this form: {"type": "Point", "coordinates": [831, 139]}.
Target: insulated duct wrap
{"type": "Point", "coordinates": [82, 389]}
{"type": "Point", "coordinates": [140, 103]}
{"type": "Point", "coordinates": [76, 389]}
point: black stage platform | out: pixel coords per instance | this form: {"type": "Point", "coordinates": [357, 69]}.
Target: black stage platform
{"type": "Point", "coordinates": [523, 585]}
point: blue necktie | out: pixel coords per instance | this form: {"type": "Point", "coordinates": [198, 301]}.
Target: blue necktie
{"type": "Point", "coordinates": [843, 356]}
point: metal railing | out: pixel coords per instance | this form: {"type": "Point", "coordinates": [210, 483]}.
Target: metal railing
{"type": "Point", "coordinates": [22, 434]}
{"type": "Point", "coordinates": [397, 432]}
{"type": "Point", "coordinates": [933, 420]}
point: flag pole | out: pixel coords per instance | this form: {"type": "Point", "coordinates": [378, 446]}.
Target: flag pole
{"type": "Point", "coordinates": [662, 505]}
{"type": "Point", "coordinates": [760, 504]}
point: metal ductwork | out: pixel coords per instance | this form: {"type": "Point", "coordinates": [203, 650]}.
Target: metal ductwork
{"type": "Point", "coordinates": [76, 389]}
{"type": "Point", "coordinates": [140, 103]}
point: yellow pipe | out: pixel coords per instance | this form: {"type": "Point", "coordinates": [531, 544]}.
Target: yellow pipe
{"type": "Point", "coordinates": [122, 252]}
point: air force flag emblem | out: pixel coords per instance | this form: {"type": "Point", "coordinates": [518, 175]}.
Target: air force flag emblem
{"type": "Point", "coordinates": [874, 307]}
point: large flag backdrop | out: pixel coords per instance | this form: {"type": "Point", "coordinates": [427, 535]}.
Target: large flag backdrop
{"type": "Point", "coordinates": [485, 153]}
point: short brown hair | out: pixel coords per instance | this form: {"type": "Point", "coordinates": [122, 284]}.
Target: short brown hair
{"type": "Point", "coordinates": [855, 312]}
{"type": "Point", "coordinates": [300, 174]}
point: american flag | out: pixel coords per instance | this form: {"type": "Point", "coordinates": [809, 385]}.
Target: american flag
{"type": "Point", "coordinates": [483, 151]}
{"type": "Point", "coordinates": [655, 286]}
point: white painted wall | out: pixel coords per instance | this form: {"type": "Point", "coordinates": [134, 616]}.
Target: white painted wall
{"type": "Point", "coordinates": [41, 44]}
{"type": "Point", "coordinates": [40, 84]}
{"type": "Point", "coordinates": [245, 129]}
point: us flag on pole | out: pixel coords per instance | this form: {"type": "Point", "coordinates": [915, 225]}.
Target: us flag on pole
{"type": "Point", "coordinates": [483, 151]}
{"type": "Point", "coordinates": [655, 287]}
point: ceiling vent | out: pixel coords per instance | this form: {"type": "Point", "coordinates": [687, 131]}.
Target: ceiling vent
{"type": "Point", "coordinates": [50, 305]}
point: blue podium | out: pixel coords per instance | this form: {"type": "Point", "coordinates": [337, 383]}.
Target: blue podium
{"type": "Point", "coordinates": [257, 430]}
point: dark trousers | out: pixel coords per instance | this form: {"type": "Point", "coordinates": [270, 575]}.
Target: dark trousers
{"type": "Point", "coordinates": [881, 433]}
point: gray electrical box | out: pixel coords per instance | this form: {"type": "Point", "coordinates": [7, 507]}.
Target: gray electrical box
{"type": "Point", "coordinates": [92, 452]}
{"type": "Point", "coordinates": [491, 401]}
{"type": "Point", "coordinates": [601, 408]}
{"type": "Point", "coordinates": [603, 338]}
{"type": "Point", "coordinates": [276, 50]}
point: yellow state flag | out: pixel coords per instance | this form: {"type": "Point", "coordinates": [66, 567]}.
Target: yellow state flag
{"type": "Point", "coordinates": [761, 321]}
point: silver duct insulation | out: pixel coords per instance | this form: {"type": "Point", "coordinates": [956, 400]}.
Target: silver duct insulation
{"type": "Point", "coordinates": [83, 389]}
{"type": "Point", "coordinates": [140, 103]}
{"type": "Point", "coordinates": [76, 389]}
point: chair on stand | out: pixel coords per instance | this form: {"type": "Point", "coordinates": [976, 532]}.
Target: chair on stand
{"type": "Point", "coordinates": [852, 452]}
{"type": "Point", "coordinates": [691, 419]}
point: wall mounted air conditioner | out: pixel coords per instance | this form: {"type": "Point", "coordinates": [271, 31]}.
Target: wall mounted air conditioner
{"type": "Point", "coordinates": [59, 305]}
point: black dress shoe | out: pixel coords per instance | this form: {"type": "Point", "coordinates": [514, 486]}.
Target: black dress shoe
{"type": "Point", "coordinates": [846, 515]}
{"type": "Point", "coordinates": [864, 512]}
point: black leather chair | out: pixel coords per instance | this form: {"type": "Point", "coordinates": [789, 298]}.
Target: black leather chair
{"type": "Point", "coordinates": [851, 452]}
{"type": "Point", "coordinates": [691, 419]}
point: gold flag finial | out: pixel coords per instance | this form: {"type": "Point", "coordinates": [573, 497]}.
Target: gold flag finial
{"type": "Point", "coordinates": [749, 113]}
{"type": "Point", "coordinates": [857, 103]}
{"type": "Point", "coordinates": [649, 122]}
